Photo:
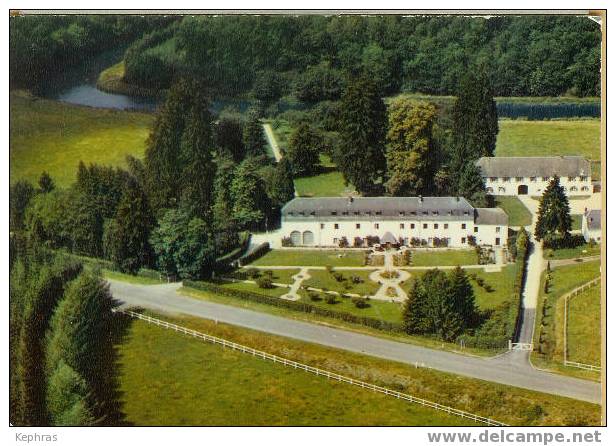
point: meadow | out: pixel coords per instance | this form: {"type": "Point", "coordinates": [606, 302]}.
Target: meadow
{"type": "Point", "coordinates": [52, 136]}
{"type": "Point", "coordinates": [311, 257]}
{"type": "Point", "coordinates": [204, 384]}
{"type": "Point", "coordinates": [584, 327]}
{"type": "Point", "coordinates": [518, 214]}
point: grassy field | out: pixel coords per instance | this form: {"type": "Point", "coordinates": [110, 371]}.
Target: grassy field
{"type": "Point", "coordinates": [548, 138]}
{"type": "Point", "coordinates": [278, 275]}
{"type": "Point", "coordinates": [325, 280]}
{"type": "Point", "coordinates": [53, 136]}
{"type": "Point", "coordinates": [203, 384]}
{"type": "Point", "coordinates": [550, 315]}
{"type": "Point", "coordinates": [244, 286]}
{"type": "Point", "coordinates": [141, 280]}
{"type": "Point", "coordinates": [501, 284]}
{"type": "Point", "coordinates": [584, 250]}
{"type": "Point", "coordinates": [584, 327]}
{"type": "Point", "coordinates": [329, 184]}
{"type": "Point", "coordinates": [450, 257]}
{"type": "Point", "coordinates": [311, 257]}
{"type": "Point", "coordinates": [156, 390]}
{"type": "Point", "coordinates": [519, 215]}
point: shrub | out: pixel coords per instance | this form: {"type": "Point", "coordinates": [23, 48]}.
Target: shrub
{"type": "Point", "coordinates": [338, 276]}
{"type": "Point", "coordinates": [358, 242]}
{"type": "Point", "coordinates": [480, 281]}
{"type": "Point", "coordinates": [343, 243]}
{"type": "Point", "coordinates": [360, 302]}
{"type": "Point", "coordinates": [488, 288]}
{"type": "Point", "coordinates": [329, 268]}
{"type": "Point", "coordinates": [286, 242]}
{"type": "Point", "coordinates": [356, 279]}
{"type": "Point", "coordinates": [314, 296]}
{"type": "Point", "coordinates": [472, 241]}
{"type": "Point", "coordinates": [255, 254]}
{"type": "Point", "coordinates": [563, 242]}
{"type": "Point", "coordinates": [253, 273]}
{"type": "Point", "coordinates": [331, 299]}
{"type": "Point", "coordinates": [415, 241]}
{"type": "Point", "coordinates": [265, 282]}
{"type": "Point", "coordinates": [372, 240]}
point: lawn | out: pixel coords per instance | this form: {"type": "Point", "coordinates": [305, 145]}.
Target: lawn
{"type": "Point", "coordinates": [325, 280]}
{"type": "Point", "coordinates": [584, 250]}
{"type": "Point", "coordinates": [278, 275]}
{"type": "Point", "coordinates": [449, 257]}
{"type": "Point", "coordinates": [155, 387]}
{"type": "Point", "coordinates": [328, 184]}
{"type": "Point", "coordinates": [252, 287]}
{"type": "Point", "coordinates": [170, 379]}
{"type": "Point", "coordinates": [519, 215]}
{"type": "Point", "coordinates": [311, 257]}
{"type": "Point", "coordinates": [549, 138]}
{"type": "Point", "coordinates": [584, 327]}
{"type": "Point", "coordinates": [53, 136]}
{"type": "Point", "coordinates": [576, 222]}
{"type": "Point", "coordinates": [141, 280]}
{"type": "Point", "coordinates": [501, 284]}
{"type": "Point", "coordinates": [549, 352]}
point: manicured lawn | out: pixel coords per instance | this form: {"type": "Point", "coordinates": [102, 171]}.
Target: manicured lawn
{"type": "Point", "coordinates": [501, 283]}
{"type": "Point", "coordinates": [325, 280]}
{"type": "Point", "coordinates": [53, 136]}
{"type": "Point", "coordinates": [329, 184]}
{"type": "Point", "coordinates": [450, 257]}
{"type": "Point", "coordinates": [311, 257]}
{"type": "Point", "coordinates": [279, 275]}
{"type": "Point", "coordinates": [550, 311]}
{"type": "Point", "coordinates": [252, 287]}
{"type": "Point", "coordinates": [584, 327]}
{"type": "Point", "coordinates": [149, 372]}
{"type": "Point", "coordinates": [202, 384]}
{"type": "Point", "coordinates": [519, 215]}
{"type": "Point", "coordinates": [549, 138]}
{"type": "Point", "coordinates": [584, 250]}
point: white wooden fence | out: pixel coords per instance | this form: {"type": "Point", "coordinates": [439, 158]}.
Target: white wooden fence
{"type": "Point", "coordinates": [319, 372]}
{"type": "Point", "coordinates": [568, 297]}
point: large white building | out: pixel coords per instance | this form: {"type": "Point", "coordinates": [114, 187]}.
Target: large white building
{"type": "Point", "coordinates": [531, 175]}
{"type": "Point", "coordinates": [396, 220]}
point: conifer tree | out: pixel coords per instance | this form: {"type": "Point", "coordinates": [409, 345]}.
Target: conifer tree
{"type": "Point", "coordinates": [305, 144]}
{"type": "Point", "coordinates": [363, 122]}
{"type": "Point", "coordinates": [254, 140]}
{"type": "Point", "coordinates": [463, 296]}
{"type": "Point", "coordinates": [554, 215]}
{"type": "Point", "coordinates": [45, 182]}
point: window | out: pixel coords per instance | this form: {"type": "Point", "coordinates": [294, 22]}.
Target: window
{"type": "Point", "coordinates": [493, 179]}
{"type": "Point", "coordinates": [413, 213]}
{"type": "Point", "coordinates": [425, 225]}
{"type": "Point", "coordinates": [546, 178]}
{"type": "Point", "coordinates": [490, 190]}
{"type": "Point", "coordinates": [334, 213]}
{"type": "Point", "coordinates": [357, 226]}
{"type": "Point", "coordinates": [356, 213]}
{"type": "Point", "coordinates": [425, 212]}
{"type": "Point", "coordinates": [465, 212]}
{"type": "Point", "coordinates": [463, 225]}
{"type": "Point", "coordinates": [434, 212]}
{"type": "Point", "coordinates": [376, 226]}
{"type": "Point", "coordinates": [501, 189]}
{"type": "Point", "coordinates": [379, 213]}
{"type": "Point", "coordinates": [446, 225]}
{"type": "Point", "coordinates": [582, 178]}
{"type": "Point", "coordinates": [302, 213]}
{"type": "Point", "coordinates": [412, 225]}
{"type": "Point", "coordinates": [506, 179]}
{"type": "Point", "coordinates": [573, 189]}
{"type": "Point", "coordinates": [497, 241]}
{"type": "Point", "coordinates": [401, 225]}
{"type": "Point", "coordinates": [335, 241]}
{"type": "Point", "coordinates": [290, 214]}
{"type": "Point", "coordinates": [401, 214]}
{"type": "Point", "coordinates": [336, 226]}
{"type": "Point", "coordinates": [368, 213]}
{"type": "Point", "coordinates": [345, 213]}
{"type": "Point", "coordinates": [571, 178]}
{"type": "Point", "coordinates": [435, 225]}
{"type": "Point", "coordinates": [463, 240]}
{"type": "Point", "coordinates": [313, 213]}
{"type": "Point", "coordinates": [498, 229]}
{"type": "Point", "coordinates": [476, 229]}
{"type": "Point", "coordinates": [585, 188]}
{"type": "Point", "coordinates": [519, 179]}
{"type": "Point", "coordinates": [533, 179]}
{"type": "Point", "coordinates": [322, 225]}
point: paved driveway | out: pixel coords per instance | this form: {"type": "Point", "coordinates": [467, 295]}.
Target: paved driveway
{"type": "Point", "coordinates": [512, 368]}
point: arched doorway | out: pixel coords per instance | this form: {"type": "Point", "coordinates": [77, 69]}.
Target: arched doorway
{"type": "Point", "coordinates": [308, 238]}
{"type": "Point", "coordinates": [522, 189]}
{"type": "Point", "coordinates": [296, 238]}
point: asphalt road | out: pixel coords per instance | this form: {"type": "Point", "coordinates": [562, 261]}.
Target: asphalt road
{"type": "Point", "coordinates": [511, 368]}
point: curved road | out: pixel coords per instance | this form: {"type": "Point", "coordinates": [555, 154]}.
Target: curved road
{"type": "Point", "coordinates": [511, 368]}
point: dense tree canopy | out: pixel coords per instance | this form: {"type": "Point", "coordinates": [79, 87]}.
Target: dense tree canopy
{"type": "Point", "coordinates": [523, 56]}
{"type": "Point", "coordinates": [554, 215]}
{"type": "Point", "coordinates": [305, 144]}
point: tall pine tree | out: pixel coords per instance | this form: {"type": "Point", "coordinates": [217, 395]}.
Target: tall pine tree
{"type": "Point", "coordinates": [554, 215]}
{"type": "Point", "coordinates": [363, 122]}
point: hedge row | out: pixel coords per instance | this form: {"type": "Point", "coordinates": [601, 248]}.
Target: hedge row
{"type": "Point", "coordinates": [223, 263]}
{"type": "Point", "coordinates": [109, 265]}
{"type": "Point", "coordinates": [294, 305]}
{"type": "Point", "coordinates": [253, 255]}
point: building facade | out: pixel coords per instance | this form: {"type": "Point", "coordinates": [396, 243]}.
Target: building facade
{"type": "Point", "coordinates": [418, 221]}
{"type": "Point", "coordinates": [531, 175]}
{"type": "Point", "coordinates": [591, 225]}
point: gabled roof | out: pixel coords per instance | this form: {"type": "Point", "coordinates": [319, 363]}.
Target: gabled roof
{"type": "Point", "coordinates": [593, 219]}
{"type": "Point", "coordinates": [379, 208]}
{"type": "Point", "coordinates": [534, 166]}
{"type": "Point", "coordinates": [491, 216]}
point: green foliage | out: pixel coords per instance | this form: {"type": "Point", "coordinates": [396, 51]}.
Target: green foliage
{"type": "Point", "coordinates": [319, 83]}
{"type": "Point", "coordinates": [228, 138]}
{"type": "Point", "coordinates": [360, 156]}
{"type": "Point", "coordinates": [265, 282]}
{"type": "Point", "coordinates": [81, 337]}
{"type": "Point", "coordinates": [412, 157]}
{"type": "Point", "coordinates": [471, 185]}
{"type": "Point", "coordinates": [249, 199]}
{"type": "Point", "coordinates": [45, 183]}
{"type": "Point", "coordinates": [183, 245]}
{"type": "Point", "coordinates": [554, 215]}
{"type": "Point", "coordinates": [67, 396]}
{"type": "Point", "coordinates": [126, 236]}
{"type": "Point", "coordinates": [475, 120]}
{"type": "Point", "coordinates": [178, 158]}
{"type": "Point", "coordinates": [279, 182]}
{"type": "Point", "coordinates": [20, 195]}
{"type": "Point", "coordinates": [253, 137]}
{"type": "Point", "coordinates": [305, 145]}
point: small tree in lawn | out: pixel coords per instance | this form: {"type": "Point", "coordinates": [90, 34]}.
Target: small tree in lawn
{"type": "Point", "coordinates": [554, 216]}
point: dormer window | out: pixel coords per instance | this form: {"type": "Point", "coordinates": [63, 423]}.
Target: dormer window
{"type": "Point", "coordinates": [401, 214]}
{"type": "Point", "coordinates": [313, 213]}
{"type": "Point", "coordinates": [334, 213]}
{"type": "Point", "coordinates": [345, 213]}
{"type": "Point", "coordinates": [465, 212]}
{"type": "Point", "coordinates": [379, 213]}
{"type": "Point", "coordinates": [434, 212]}
{"type": "Point", "coordinates": [425, 212]}
{"type": "Point", "coordinates": [356, 213]}
{"type": "Point", "coordinates": [582, 178]}
{"type": "Point", "coordinates": [413, 213]}
{"type": "Point", "coordinates": [290, 214]}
